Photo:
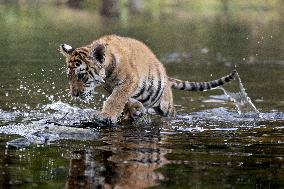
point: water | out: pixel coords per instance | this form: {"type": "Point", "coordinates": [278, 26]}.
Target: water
{"type": "Point", "coordinates": [240, 98]}
{"type": "Point", "coordinates": [47, 140]}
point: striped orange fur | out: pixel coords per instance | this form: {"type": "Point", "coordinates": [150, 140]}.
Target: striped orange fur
{"type": "Point", "coordinates": [130, 72]}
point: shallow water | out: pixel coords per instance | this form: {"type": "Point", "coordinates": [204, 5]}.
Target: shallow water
{"type": "Point", "coordinates": [44, 142]}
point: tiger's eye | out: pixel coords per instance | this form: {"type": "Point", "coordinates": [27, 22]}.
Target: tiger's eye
{"type": "Point", "coordinates": [77, 64]}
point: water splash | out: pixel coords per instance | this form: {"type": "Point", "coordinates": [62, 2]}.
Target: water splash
{"type": "Point", "coordinates": [222, 119]}
{"type": "Point", "coordinates": [39, 133]}
{"type": "Point", "coordinates": [240, 97]}
{"type": "Point", "coordinates": [55, 121]}
{"type": "Point", "coordinates": [58, 120]}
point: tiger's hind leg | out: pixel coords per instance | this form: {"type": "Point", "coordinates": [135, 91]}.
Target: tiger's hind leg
{"type": "Point", "coordinates": [166, 106]}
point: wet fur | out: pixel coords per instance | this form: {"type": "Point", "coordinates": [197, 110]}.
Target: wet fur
{"type": "Point", "coordinates": [130, 72]}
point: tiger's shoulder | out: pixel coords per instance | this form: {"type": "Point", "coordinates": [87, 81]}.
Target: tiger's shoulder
{"type": "Point", "coordinates": [130, 56]}
{"type": "Point", "coordinates": [126, 46]}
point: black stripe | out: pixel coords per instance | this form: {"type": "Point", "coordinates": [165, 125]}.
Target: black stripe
{"type": "Point", "coordinates": [149, 91]}
{"type": "Point", "coordinates": [159, 87]}
{"type": "Point", "coordinates": [214, 84]}
{"type": "Point", "coordinates": [183, 86]}
{"type": "Point", "coordinates": [158, 90]}
{"type": "Point", "coordinates": [220, 82]}
{"type": "Point", "coordinates": [156, 95]}
{"type": "Point", "coordinates": [86, 50]}
{"type": "Point", "coordinates": [201, 86]}
{"type": "Point", "coordinates": [146, 99]}
{"type": "Point", "coordinates": [141, 90]}
{"type": "Point", "coordinates": [209, 86]}
{"type": "Point", "coordinates": [91, 73]}
{"type": "Point", "coordinates": [85, 78]}
{"type": "Point", "coordinates": [193, 86]}
{"type": "Point", "coordinates": [158, 111]}
{"type": "Point", "coordinates": [227, 79]}
{"type": "Point", "coordinates": [82, 52]}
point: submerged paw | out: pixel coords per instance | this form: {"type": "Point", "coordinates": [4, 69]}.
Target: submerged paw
{"type": "Point", "coordinates": [104, 119]}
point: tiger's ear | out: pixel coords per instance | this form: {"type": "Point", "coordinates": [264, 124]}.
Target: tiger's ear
{"type": "Point", "coordinates": [66, 50]}
{"type": "Point", "coordinates": [98, 53]}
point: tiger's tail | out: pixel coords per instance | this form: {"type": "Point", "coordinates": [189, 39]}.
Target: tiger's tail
{"type": "Point", "coordinates": [201, 86]}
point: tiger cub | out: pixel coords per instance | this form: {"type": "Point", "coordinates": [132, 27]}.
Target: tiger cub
{"type": "Point", "coordinates": [130, 72]}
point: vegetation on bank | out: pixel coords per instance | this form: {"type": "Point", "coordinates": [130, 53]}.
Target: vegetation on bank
{"type": "Point", "coordinates": [261, 10]}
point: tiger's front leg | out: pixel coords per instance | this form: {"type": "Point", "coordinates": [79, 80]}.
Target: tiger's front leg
{"type": "Point", "coordinates": [115, 103]}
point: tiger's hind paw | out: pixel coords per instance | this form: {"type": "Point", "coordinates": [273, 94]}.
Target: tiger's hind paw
{"type": "Point", "coordinates": [134, 109]}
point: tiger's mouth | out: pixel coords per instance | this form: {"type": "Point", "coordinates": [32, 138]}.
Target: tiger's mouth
{"type": "Point", "coordinates": [89, 88]}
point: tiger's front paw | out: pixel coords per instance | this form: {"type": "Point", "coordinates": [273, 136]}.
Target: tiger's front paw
{"type": "Point", "coordinates": [104, 119]}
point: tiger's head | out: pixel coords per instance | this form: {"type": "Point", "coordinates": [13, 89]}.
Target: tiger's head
{"type": "Point", "coordinates": [85, 68]}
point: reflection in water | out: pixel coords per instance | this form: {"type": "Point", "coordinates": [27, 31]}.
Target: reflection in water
{"type": "Point", "coordinates": [5, 177]}
{"type": "Point", "coordinates": [84, 172]}
{"type": "Point", "coordinates": [123, 163]}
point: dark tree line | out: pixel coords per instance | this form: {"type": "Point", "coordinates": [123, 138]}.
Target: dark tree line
{"type": "Point", "coordinates": [110, 8]}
